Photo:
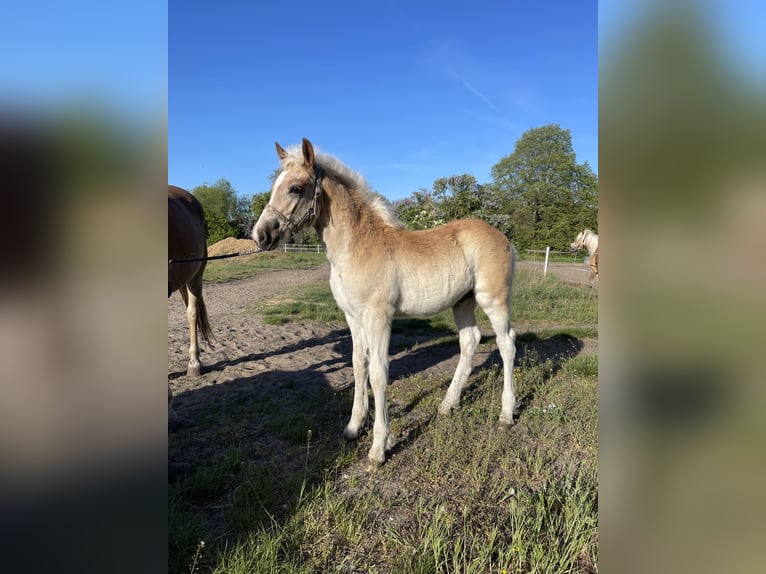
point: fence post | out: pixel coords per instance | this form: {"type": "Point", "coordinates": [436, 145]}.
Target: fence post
{"type": "Point", "coordinates": [547, 256]}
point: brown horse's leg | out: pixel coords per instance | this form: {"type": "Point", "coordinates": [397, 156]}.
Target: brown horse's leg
{"type": "Point", "coordinates": [196, 313]}
{"type": "Point", "coordinates": [190, 300]}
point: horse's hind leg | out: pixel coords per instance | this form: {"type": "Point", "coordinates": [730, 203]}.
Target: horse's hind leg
{"type": "Point", "coordinates": [470, 336]}
{"type": "Point", "coordinates": [498, 314]}
{"type": "Point", "coordinates": [190, 300]}
{"type": "Point", "coordinates": [593, 266]}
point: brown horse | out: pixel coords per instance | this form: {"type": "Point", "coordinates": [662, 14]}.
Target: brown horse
{"type": "Point", "coordinates": [186, 240]}
{"type": "Point", "coordinates": [378, 270]}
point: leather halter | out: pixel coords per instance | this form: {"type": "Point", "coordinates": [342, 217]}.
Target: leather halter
{"type": "Point", "coordinates": [294, 227]}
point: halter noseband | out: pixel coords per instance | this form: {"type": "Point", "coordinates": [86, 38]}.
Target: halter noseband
{"type": "Point", "coordinates": [292, 226]}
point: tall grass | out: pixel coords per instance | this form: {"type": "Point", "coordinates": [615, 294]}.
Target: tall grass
{"type": "Point", "coordinates": [455, 495]}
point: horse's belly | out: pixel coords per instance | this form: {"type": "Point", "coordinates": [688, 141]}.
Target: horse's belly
{"type": "Point", "coordinates": [427, 296]}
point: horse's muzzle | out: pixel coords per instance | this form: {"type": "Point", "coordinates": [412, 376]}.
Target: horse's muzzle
{"type": "Point", "coordinates": [267, 235]}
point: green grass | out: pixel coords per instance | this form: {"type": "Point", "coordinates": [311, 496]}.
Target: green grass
{"type": "Point", "coordinates": [459, 496]}
{"type": "Point", "coordinates": [307, 302]}
{"type": "Point", "coordinates": [539, 298]}
{"type": "Point", "coordinates": [535, 299]}
{"type": "Point", "coordinates": [275, 488]}
{"type": "Point", "coordinates": [582, 365]}
{"type": "Point", "coordinates": [223, 270]}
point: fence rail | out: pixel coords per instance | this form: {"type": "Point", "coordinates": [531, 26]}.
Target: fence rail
{"type": "Point", "coordinates": [566, 256]}
{"type": "Point", "coordinates": [291, 247]}
{"type": "Point", "coordinates": [547, 255]}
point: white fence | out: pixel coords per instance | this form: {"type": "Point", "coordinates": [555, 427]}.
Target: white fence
{"type": "Point", "coordinates": [547, 256]}
{"type": "Point", "coordinates": [291, 247]}
{"type": "Point", "coordinates": [561, 256]}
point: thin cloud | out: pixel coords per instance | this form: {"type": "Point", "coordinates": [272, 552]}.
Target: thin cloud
{"type": "Point", "coordinates": [474, 91]}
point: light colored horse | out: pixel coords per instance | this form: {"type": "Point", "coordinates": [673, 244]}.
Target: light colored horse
{"type": "Point", "coordinates": [379, 269]}
{"type": "Point", "coordinates": [589, 240]}
{"type": "Point", "coordinates": [186, 240]}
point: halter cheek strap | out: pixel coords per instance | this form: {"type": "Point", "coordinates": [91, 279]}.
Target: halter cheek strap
{"type": "Point", "coordinates": [294, 227]}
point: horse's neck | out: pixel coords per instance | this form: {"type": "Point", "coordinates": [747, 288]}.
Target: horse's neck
{"type": "Point", "coordinates": [344, 220]}
{"type": "Point", "coordinates": [592, 243]}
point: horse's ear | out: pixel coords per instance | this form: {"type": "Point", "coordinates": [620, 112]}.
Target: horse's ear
{"type": "Point", "coordinates": [308, 153]}
{"type": "Point", "coordinates": [280, 151]}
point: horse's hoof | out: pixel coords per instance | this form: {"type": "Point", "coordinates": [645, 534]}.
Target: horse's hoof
{"type": "Point", "coordinates": [504, 425]}
{"type": "Point", "coordinates": [194, 371]}
{"type": "Point", "coordinates": [373, 465]}
{"type": "Point", "coordinates": [350, 434]}
{"type": "Point", "coordinates": [445, 411]}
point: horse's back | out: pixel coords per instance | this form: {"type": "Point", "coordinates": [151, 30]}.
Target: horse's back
{"type": "Point", "coordinates": [185, 211]}
{"type": "Point", "coordinates": [186, 236]}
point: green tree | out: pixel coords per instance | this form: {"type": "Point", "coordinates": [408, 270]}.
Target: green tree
{"type": "Point", "coordinates": [226, 214]}
{"type": "Point", "coordinates": [258, 203]}
{"type": "Point", "coordinates": [419, 211]}
{"type": "Point", "coordinates": [457, 196]}
{"type": "Point", "coordinates": [548, 196]}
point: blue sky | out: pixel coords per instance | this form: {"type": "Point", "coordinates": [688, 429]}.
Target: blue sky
{"type": "Point", "coordinates": [403, 92]}
{"type": "Point", "coordinates": [110, 56]}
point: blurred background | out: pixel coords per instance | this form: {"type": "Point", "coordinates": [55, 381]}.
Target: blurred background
{"type": "Point", "coordinates": [682, 128]}
{"type": "Point", "coordinates": [83, 432]}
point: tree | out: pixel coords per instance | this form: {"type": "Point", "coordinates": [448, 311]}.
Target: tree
{"type": "Point", "coordinates": [258, 203]}
{"type": "Point", "coordinates": [457, 196]}
{"type": "Point", "coordinates": [226, 215]}
{"type": "Point", "coordinates": [548, 196]}
{"type": "Point", "coordinates": [418, 211]}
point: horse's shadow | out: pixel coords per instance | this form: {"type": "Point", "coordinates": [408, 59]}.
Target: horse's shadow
{"type": "Point", "coordinates": [547, 354]}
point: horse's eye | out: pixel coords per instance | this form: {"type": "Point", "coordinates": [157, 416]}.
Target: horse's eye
{"type": "Point", "coordinates": [296, 189]}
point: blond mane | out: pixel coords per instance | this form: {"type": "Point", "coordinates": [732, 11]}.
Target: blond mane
{"type": "Point", "coordinates": [353, 181]}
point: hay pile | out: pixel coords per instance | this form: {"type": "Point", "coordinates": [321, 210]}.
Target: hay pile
{"type": "Point", "coordinates": [230, 245]}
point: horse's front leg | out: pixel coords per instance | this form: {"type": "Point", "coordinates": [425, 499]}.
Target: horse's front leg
{"type": "Point", "coordinates": [360, 362]}
{"type": "Point", "coordinates": [378, 330]}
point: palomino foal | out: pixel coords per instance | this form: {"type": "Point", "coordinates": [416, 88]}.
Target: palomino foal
{"type": "Point", "coordinates": [378, 270]}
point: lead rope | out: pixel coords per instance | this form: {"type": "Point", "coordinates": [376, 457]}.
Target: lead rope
{"type": "Point", "coordinates": [248, 252]}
